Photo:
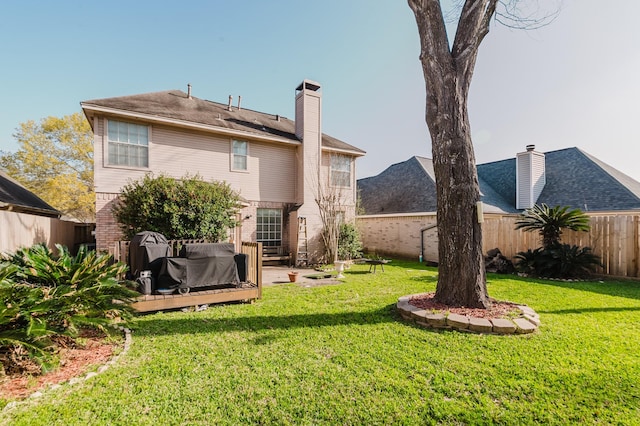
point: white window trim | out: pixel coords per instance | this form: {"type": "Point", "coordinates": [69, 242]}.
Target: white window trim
{"type": "Point", "coordinates": [105, 145]}
{"type": "Point", "coordinates": [281, 225]}
{"type": "Point", "coordinates": [232, 156]}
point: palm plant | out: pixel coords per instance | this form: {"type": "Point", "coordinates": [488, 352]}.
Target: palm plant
{"type": "Point", "coordinates": [81, 290]}
{"type": "Point", "coordinates": [550, 221]}
{"type": "Point", "coordinates": [43, 296]}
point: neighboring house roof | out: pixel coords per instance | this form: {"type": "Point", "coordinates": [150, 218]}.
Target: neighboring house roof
{"type": "Point", "coordinates": [402, 188]}
{"type": "Point", "coordinates": [573, 178]}
{"type": "Point", "coordinates": [15, 197]}
{"type": "Point", "coordinates": [177, 108]}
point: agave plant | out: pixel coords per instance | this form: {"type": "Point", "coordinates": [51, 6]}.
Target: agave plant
{"type": "Point", "coordinates": [550, 221]}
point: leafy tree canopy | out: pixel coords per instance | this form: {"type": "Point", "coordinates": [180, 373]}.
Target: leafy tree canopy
{"type": "Point", "coordinates": [55, 162]}
{"type": "Point", "coordinates": [185, 208]}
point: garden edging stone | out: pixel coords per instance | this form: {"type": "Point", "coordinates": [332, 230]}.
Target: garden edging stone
{"type": "Point", "coordinates": [528, 321]}
{"type": "Point", "coordinates": [76, 380]}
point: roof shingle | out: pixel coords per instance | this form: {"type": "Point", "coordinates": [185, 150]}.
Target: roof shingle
{"type": "Point", "coordinates": [177, 106]}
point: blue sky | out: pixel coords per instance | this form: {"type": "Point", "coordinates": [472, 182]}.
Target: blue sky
{"type": "Point", "coordinates": [572, 83]}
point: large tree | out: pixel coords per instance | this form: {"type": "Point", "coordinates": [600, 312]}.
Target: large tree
{"type": "Point", "coordinates": [447, 74]}
{"type": "Point", "coordinates": [55, 162]}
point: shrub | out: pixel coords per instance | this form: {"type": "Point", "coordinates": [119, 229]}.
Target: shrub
{"type": "Point", "coordinates": [349, 243]}
{"type": "Point", "coordinates": [45, 296]}
{"type": "Point", "coordinates": [186, 208]}
{"type": "Point", "coordinates": [22, 329]}
{"type": "Point", "coordinates": [561, 261]}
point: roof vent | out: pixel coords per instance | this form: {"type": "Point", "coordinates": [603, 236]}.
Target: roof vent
{"type": "Point", "coordinates": [530, 148]}
{"type": "Point", "coordinates": [239, 100]}
{"type": "Point", "coordinates": [189, 91]}
{"type": "Point", "coordinates": [230, 101]}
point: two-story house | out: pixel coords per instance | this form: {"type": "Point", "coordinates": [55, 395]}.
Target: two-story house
{"type": "Point", "coordinates": [279, 166]}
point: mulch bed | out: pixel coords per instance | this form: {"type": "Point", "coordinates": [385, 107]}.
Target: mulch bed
{"type": "Point", "coordinates": [75, 360]}
{"type": "Point", "coordinates": [498, 309]}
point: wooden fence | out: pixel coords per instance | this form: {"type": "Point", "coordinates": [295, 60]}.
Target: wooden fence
{"type": "Point", "coordinates": [24, 230]}
{"type": "Point", "coordinates": [613, 237]}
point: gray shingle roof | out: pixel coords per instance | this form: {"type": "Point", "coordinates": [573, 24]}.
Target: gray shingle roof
{"type": "Point", "coordinates": [176, 105]}
{"type": "Point", "coordinates": [402, 188]}
{"type": "Point", "coordinates": [20, 199]}
{"type": "Point", "coordinates": [573, 178]}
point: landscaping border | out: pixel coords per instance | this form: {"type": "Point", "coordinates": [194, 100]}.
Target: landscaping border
{"type": "Point", "coordinates": [76, 380]}
{"type": "Point", "coordinates": [527, 322]}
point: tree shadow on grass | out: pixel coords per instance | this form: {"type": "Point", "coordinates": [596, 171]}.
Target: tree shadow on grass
{"type": "Point", "coordinates": [627, 289]}
{"type": "Point", "coordinates": [165, 325]}
{"type": "Point", "coordinates": [425, 279]}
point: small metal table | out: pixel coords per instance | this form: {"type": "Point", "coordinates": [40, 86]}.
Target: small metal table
{"type": "Point", "coordinates": [375, 262]}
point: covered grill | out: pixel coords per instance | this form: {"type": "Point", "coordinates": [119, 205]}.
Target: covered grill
{"type": "Point", "coordinates": [145, 251]}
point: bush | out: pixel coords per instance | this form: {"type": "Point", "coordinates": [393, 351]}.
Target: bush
{"type": "Point", "coordinates": [187, 208]}
{"type": "Point", "coordinates": [349, 243]}
{"type": "Point", "coordinates": [44, 296]}
{"type": "Point", "coordinates": [560, 261]}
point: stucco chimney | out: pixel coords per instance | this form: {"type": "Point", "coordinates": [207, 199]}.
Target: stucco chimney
{"type": "Point", "coordinates": [530, 177]}
{"type": "Point", "coordinates": [308, 129]}
{"type": "Point", "coordinates": [308, 108]}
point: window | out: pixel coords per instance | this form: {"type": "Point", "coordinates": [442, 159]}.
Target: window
{"type": "Point", "coordinates": [269, 227]}
{"type": "Point", "coordinates": [128, 144]}
{"type": "Point", "coordinates": [239, 160]}
{"type": "Point", "coordinates": [340, 170]}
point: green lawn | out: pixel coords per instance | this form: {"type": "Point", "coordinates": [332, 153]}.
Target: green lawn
{"type": "Point", "coordinates": [338, 354]}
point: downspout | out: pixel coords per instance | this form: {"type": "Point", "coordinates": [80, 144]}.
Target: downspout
{"type": "Point", "coordinates": [426, 228]}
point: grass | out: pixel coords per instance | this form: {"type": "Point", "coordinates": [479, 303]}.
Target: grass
{"type": "Point", "coordinates": [338, 354]}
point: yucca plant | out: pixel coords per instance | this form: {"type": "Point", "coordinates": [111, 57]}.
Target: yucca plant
{"type": "Point", "coordinates": [550, 221]}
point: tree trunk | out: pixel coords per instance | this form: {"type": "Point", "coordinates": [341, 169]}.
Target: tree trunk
{"type": "Point", "coordinates": [447, 74]}
{"type": "Point", "coordinates": [461, 274]}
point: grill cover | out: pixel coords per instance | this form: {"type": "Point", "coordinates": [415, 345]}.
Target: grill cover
{"type": "Point", "coordinates": [208, 264]}
{"type": "Point", "coordinates": [146, 251]}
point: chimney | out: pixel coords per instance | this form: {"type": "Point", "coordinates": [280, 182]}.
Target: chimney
{"type": "Point", "coordinates": [308, 129]}
{"type": "Point", "coordinates": [530, 177]}
{"type": "Point", "coordinates": [239, 100]}
{"type": "Point", "coordinates": [230, 101]}
{"type": "Point", "coordinates": [308, 111]}
{"type": "Point", "coordinates": [189, 91]}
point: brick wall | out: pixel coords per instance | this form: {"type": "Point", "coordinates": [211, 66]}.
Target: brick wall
{"type": "Point", "coordinates": [107, 230]}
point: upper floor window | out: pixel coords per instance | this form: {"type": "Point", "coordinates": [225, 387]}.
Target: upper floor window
{"type": "Point", "coordinates": [128, 144]}
{"type": "Point", "coordinates": [340, 169]}
{"type": "Point", "coordinates": [239, 155]}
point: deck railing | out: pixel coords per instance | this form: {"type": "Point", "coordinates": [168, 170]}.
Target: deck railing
{"type": "Point", "coordinates": [252, 250]}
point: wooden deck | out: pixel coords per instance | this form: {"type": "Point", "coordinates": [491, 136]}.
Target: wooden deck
{"type": "Point", "coordinates": [249, 291]}
{"type": "Point", "coordinates": [158, 302]}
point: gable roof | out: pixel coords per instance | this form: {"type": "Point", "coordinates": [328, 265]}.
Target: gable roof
{"type": "Point", "coordinates": [401, 188]}
{"type": "Point", "coordinates": [177, 108]}
{"type": "Point", "coordinates": [573, 178]}
{"type": "Point", "coordinates": [410, 187]}
{"type": "Point", "coordinates": [15, 197]}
